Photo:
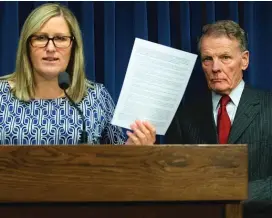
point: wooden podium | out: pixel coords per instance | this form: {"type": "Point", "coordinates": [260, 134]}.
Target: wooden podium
{"type": "Point", "coordinates": [188, 181]}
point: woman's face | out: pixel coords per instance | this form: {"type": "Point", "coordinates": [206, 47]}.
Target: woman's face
{"type": "Point", "coordinates": [48, 61]}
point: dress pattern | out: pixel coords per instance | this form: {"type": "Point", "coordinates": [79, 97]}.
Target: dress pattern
{"type": "Point", "coordinates": [56, 121]}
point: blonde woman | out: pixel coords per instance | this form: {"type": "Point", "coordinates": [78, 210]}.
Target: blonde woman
{"type": "Point", "coordinates": [34, 109]}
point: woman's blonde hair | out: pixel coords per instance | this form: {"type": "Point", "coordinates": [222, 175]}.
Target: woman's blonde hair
{"type": "Point", "coordinates": [23, 77]}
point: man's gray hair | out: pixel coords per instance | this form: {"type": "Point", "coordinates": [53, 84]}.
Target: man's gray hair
{"type": "Point", "coordinates": [227, 28]}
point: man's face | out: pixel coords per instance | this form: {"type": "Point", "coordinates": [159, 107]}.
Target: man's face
{"type": "Point", "coordinates": [223, 63]}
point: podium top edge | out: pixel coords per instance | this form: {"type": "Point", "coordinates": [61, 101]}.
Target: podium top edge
{"type": "Point", "coordinates": [110, 145]}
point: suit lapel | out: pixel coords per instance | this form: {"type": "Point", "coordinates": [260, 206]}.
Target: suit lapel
{"type": "Point", "coordinates": [205, 121]}
{"type": "Point", "coordinates": [249, 107]}
{"type": "Point", "coordinates": [208, 127]}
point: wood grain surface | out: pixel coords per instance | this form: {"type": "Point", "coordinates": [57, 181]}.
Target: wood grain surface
{"type": "Point", "coordinates": [123, 173]}
{"type": "Point", "coordinates": [234, 211]}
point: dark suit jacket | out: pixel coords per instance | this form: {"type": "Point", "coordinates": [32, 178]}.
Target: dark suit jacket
{"type": "Point", "coordinates": [252, 125]}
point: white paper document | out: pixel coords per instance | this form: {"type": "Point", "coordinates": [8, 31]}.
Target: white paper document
{"type": "Point", "coordinates": [154, 85]}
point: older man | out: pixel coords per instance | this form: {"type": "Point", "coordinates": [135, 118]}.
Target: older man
{"type": "Point", "coordinates": [231, 112]}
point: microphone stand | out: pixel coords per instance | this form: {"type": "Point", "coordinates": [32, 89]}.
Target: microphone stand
{"type": "Point", "coordinates": [83, 139]}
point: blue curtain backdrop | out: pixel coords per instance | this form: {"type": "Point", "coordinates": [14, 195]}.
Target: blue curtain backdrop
{"type": "Point", "coordinates": [109, 30]}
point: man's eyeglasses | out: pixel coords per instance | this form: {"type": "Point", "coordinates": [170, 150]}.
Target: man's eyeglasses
{"type": "Point", "coordinates": [41, 41]}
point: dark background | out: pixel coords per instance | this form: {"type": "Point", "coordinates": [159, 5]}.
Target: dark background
{"type": "Point", "coordinates": [109, 30]}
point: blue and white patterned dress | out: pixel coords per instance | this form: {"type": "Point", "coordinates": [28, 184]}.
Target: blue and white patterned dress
{"type": "Point", "coordinates": [55, 121]}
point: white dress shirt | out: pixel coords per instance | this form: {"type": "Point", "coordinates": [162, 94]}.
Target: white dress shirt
{"type": "Point", "coordinates": [232, 106]}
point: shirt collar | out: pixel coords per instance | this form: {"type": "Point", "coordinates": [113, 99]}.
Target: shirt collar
{"type": "Point", "coordinates": [235, 95]}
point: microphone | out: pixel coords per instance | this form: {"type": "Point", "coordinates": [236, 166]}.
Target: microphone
{"type": "Point", "coordinates": [64, 83]}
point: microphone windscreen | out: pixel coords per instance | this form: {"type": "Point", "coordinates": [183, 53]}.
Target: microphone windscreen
{"type": "Point", "coordinates": [64, 80]}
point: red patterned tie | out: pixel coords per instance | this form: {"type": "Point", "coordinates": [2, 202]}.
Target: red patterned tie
{"type": "Point", "coordinates": [223, 120]}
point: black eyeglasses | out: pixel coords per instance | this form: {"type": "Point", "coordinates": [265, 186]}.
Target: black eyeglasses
{"type": "Point", "coordinates": [41, 41]}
